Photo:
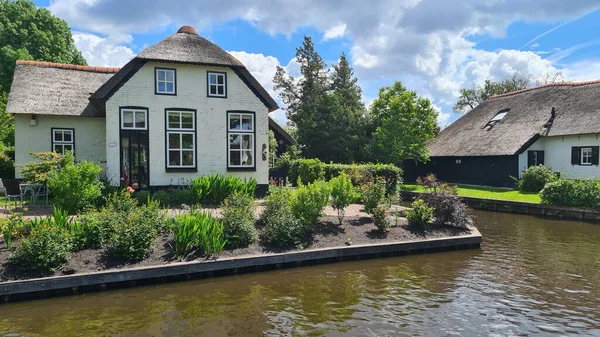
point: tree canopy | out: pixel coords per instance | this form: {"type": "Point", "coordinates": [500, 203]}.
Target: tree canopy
{"type": "Point", "coordinates": [403, 123]}
{"type": "Point", "coordinates": [29, 33]}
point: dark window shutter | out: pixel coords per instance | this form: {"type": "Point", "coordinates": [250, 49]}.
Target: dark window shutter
{"type": "Point", "coordinates": [540, 158]}
{"type": "Point", "coordinates": [575, 157]}
{"type": "Point", "coordinates": [530, 158]}
{"type": "Point", "coordinates": [595, 150]}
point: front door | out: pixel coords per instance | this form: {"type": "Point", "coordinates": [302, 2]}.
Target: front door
{"type": "Point", "coordinates": [134, 144]}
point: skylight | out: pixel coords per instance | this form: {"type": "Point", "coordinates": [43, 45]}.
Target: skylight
{"type": "Point", "coordinates": [499, 116]}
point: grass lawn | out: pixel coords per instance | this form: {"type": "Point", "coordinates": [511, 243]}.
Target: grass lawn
{"type": "Point", "coordinates": [485, 193]}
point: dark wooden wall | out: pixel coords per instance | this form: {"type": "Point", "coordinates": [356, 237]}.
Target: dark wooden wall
{"type": "Point", "coordinates": [486, 171]}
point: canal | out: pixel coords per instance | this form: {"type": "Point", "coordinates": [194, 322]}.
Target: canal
{"type": "Point", "coordinates": [532, 277]}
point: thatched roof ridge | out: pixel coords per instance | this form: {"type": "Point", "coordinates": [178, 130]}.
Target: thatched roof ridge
{"type": "Point", "coordinates": [45, 88]}
{"type": "Point", "coordinates": [557, 84]}
{"type": "Point", "coordinates": [529, 116]}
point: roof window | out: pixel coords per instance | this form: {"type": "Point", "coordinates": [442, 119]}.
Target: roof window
{"type": "Point", "coordinates": [498, 117]}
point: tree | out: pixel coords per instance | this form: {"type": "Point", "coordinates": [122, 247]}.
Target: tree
{"type": "Point", "coordinates": [29, 33]}
{"type": "Point", "coordinates": [403, 123]}
{"type": "Point", "coordinates": [470, 98]}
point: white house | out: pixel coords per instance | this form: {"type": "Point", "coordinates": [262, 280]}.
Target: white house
{"type": "Point", "coordinates": [181, 108]}
{"type": "Point", "coordinates": [557, 125]}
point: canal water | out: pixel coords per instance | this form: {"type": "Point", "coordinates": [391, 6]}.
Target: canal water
{"type": "Point", "coordinates": [532, 277]}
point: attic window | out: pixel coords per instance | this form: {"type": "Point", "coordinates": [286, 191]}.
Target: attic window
{"type": "Point", "coordinates": [165, 81]}
{"type": "Point", "coordinates": [217, 84]}
{"type": "Point", "coordinates": [498, 117]}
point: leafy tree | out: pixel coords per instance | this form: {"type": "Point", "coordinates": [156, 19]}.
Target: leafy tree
{"type": "Point", "coordinates": [470, 98]}
{"type": "Point", "coordinates": [29, 33]}
{"type": "Point", "coordinates": [403, 123]}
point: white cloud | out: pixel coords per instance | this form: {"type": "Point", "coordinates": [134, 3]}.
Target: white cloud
{"type": "Point", "coordinates": [108, 51]}
{"type": "Point", "coordinates": [335, 32]}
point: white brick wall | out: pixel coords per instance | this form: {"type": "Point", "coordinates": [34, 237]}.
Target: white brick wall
{"type": "Point", "coordinates": [211, 121]}
{"type": "Point", "coordinates": [89, 137]}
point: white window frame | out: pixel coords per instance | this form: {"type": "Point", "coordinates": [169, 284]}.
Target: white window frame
{"type": "Point", "coordinates": [586, 154]}
{"type": "Point", "coordinates": [240, 132]}
{"type": "Point", "coordinates": [181, 131]}
{"type": "Point", "coordinates": [217, 85]}
{"type": "Point", "coordinates": [62, 143]}
{"type": "Point", "coordinates": [165, 81]}
{"type": "Point", "coordinates": [134, 113]}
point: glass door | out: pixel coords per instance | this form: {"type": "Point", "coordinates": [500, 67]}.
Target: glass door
{"type": "Point", "coordinates": [134, 158]}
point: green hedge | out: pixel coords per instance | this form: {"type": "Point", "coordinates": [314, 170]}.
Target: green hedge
{"type": "Point", "coordinates": [575, 193]}
{"type": "Point", "coordinates": [309, 170]}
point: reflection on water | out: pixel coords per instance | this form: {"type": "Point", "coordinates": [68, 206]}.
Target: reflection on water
{"type": "Point", "coordinates": [531, 277]}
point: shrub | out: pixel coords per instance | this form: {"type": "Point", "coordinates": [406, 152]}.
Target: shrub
{"type": "Point", "coordinates": [91, 232]}
{"type": "Point", "coordinates": [46, 249]}
{"type": "Point", "coordinates": [46, 163]}
{"type": "Point", "coordinates": [76, 187]}
{"type": "Point", "coordinates": [181, 196]}
{"type": "Point", "coordinates": [448, 209]}
{"type": "Point", "coordinates": [281, 228]}
{"type": "Point", "coordinates": [309, 202]}
{"type": "Point", "coordinates": [238, 220]}
{"type": "Point", "coordinates": [214, 189]}
{"type": "Point", "coordinates": [310, 170]}
{"type": "Point", "coordinates": [535, 178]}
{"type": "Point", "coordinates": [373, 194]}
{"type": "Point", "coordinates": [162, 197]}
{"type": "Point", "coordinates": [420, 215]}
{"type": "Point", "coordinates": [7, 166]}
{"type": "Point", "coordinates": [142, 196]}
{"type": "Point", "coordinates": [342, 194]}
{"type": "Point", "coordinates": [379, 218]}
{"type": "Point", "coordinates": [574, 193]}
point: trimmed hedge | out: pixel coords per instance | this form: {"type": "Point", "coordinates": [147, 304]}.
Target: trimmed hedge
{"type": "Point", "coordinates": [309, 170]}
{"type": "Point", "coordinates": [575, 193]}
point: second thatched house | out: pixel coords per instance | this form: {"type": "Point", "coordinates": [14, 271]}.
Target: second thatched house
{"type": "Point", "coordinates": [556, 125]}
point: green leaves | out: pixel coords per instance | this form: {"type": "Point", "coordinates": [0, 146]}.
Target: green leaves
{"type": "Point", "coordinates": [342, 194]}
{"type": "Point", "coordinates": [215, 188]}
{"type": "Point", "coordinates": [197, 229]}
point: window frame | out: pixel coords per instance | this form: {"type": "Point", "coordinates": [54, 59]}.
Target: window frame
{"type": "Point", "coordinates": [62, 143]}
{"type": "Point", "coordinates": [156, 92]}
{"type": "Point", "coordinates": [193, 131]}
{"type": "Point", "coordinates": [590, 156]}
{"type": "Point", "coordinates": [241, 132]}
{"type": "Point", "coordinates": [218, 73]}
{"type": "Point", "coordinates": [134, 110]}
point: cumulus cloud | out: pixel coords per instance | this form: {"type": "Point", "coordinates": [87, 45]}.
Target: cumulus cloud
{"type": "Point", "coordinates": [335, 32]}
{"type": "Point", "coordinates": [104, 51]}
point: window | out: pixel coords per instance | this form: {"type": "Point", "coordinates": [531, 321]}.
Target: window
{"type": "Point", "coordinates": [181, 139]}
{"type": "Point", "coordinates": [63, 140]}
{"type": "Point", "coordinates": [458, 161]}
{"type": "Point", "coordinates": [535, 158]}
{"type": "Point", "coordinates": [586, 156]}
{"type": "Point", "coordinates": [497, 118]}
{"type": "Point", "coordinates": [217, 84]}
{"type": "Point", "coordinates": [165, 81]}
{"type": "Point", "coordinates": [134, 119]}
{"type": "Point", "coordinates": [240, 144]}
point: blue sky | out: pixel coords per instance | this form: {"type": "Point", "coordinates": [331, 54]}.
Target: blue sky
{"type": "Point", "coordinates": [433, 47]}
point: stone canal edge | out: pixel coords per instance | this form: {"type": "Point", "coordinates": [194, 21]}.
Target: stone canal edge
{"type": "Point", "coordinates": [179, 271]}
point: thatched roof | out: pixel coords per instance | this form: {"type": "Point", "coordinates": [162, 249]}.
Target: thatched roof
{"type": "Point", "coordinates": [577, 111]}
{"type": "Point", "coordinates": [45, 88]}
{"type": "Point", "coordinates": [185, 46]}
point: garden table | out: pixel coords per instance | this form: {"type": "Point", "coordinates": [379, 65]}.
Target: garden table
{"type": "Point", "coordinates": [35, 190]}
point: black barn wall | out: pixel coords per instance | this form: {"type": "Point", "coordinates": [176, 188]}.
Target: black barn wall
{"type": "Point", "coordinates": [486, 171]}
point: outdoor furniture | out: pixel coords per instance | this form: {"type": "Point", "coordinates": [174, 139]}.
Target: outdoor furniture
{"type": "Point", "coordinates": [34, 191]}
{"type": "Point", "coordinates": [3, 193]}
{"type": "Point", "coordinates": [13, 191]}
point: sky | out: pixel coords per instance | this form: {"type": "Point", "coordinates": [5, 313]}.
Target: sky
{"type": "Point", "coordinates": [435, 47]}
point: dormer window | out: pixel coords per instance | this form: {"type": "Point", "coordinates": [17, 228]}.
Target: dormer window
{"type": "Point", "coordinates": [217, 84]}
{"type": "Point", "coordinates": [165, 80]}
{"type": "Point", "coordinates": [497, 118]}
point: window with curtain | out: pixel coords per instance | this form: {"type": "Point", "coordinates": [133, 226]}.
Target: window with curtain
{"type": "Point", "coordinates": [240, 135]}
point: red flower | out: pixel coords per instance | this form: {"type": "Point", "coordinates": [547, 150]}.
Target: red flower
{"type": "Point", "coordinates": [130, 189]}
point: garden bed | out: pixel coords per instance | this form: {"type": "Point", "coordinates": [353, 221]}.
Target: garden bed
{"type": "Point", "coordinates": [357, 226]}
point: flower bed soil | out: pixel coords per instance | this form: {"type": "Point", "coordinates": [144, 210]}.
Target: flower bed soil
{"type": "Point", "coordinates": [357, 226]}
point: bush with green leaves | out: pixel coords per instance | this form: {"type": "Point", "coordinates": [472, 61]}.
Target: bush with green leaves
{"type": "Point", "coordinates": [310, 170]}
{"type": "Point", "coordinates": [535, 178]}
{"type": "Point", "coordinates": [7, 166]}
{"type": "Point", "coordinates": [574, 193]}
{"type": "Point", "coordinates": [380, 218]}
{"type": "Point", "coordinates": [373, 195]}
{"type": "Point", "coordinates": [309, 201]}
{"type": "Point", "coordinates": [420, 215]}
{"type": "Point", "coordinates": [215, 188]}
{"type": "Point", "coordinates": [89, 231]}
{"type": "Point", "coordinates": [238, 220]}
{"type": "Point", "coordinates": [45, 163]}
{"type": "Point", "coordinates": [182, 196]}
{"type": "Point", "coordinates": [76, 187]}
{"type": "Point", "coordinates": [342, 194]}
{"type": "Point", "coordinates": [162, 197]}
{"type": "Point", "coordinates": [46, 249]}
{"type": "Point", "coordinates": [197, 230]}
{"type": "Point", "coordinates": [281, 228]}
{"type": "Point", "coordinates": [142, 196]}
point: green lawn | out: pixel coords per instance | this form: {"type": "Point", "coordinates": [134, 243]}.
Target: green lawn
{"type": "Point", "coordinates": [485, 193]}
